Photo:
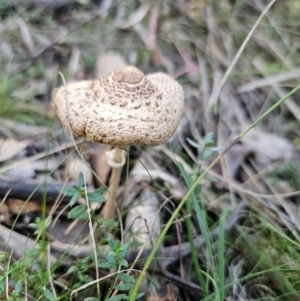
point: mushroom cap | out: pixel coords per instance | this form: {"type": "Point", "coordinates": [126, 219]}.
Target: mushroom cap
{"type": "Point", "coordinates": [123, 108]}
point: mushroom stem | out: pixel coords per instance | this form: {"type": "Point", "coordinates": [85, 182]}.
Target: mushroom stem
{"type": "Point", "coordinates": [116, 159]}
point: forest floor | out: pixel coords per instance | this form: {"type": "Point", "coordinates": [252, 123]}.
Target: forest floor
{"type": "Point", "coordinates": [213, 214]}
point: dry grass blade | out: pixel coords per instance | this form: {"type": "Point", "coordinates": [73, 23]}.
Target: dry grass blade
{"type": "Point", "coordinates": [213, 100]}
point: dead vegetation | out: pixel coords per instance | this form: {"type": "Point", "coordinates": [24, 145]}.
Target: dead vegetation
{"type": "Point", "coordinates": [235, 234]}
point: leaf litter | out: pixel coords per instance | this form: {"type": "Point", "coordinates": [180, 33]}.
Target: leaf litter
{"type": "Point", "coordinates": [196, 43]}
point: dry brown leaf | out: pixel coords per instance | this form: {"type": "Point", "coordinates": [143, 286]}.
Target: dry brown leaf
{"type": "Point", "coordinates": [143, 218]}
{"type": "Point", "coordinates": [26, 36]}
{"type": "Point", "coordinates": [271, 80]}
{"type": "Point", "coordinates": [22, 129]}
{"type": "Point", "coordinates": [169, 293]}
{"type": "Point", "coordinates": [75, 166]}
{"type": "Point", "coordinates": [19, 244]}
{"type": "Point", "coordinates": [11, 147]}
{"type": "Point", "coordinates": [234, 157]}
{"type": "Point", "coordinates": [78, 233]}
{"type": "Point", "coordinates": [21, 172]}
{"type": "Point", "coordinates": [47, 164]}
{"type": "Point", "coordinates": [3, 212]}
{"type": "Point", "coordinates": [268, 147]}
{"type": "Point", "coordinates": [28, 171]}
{"type": "Point", "coordinates": [16, 206]}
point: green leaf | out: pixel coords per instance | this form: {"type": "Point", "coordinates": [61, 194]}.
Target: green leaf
{"type": "Point", "coordinates": [49, 295]}
{"type": "Point", "coordinates": [84, 216]}
{"type": "Point", "coordinates": [106, 265]}
{"type": "Point", "coordinates": [77, 211]}
{"type": "Point", "coordinates": [100, 190]}
{"type": "Point", "coordinates": [118, 297]}
{"type": "Point", "coordinates": [123, 262]}
{"type": "Point", "coordinates": [125, 247]}
{"type": "Point", "coordinates": [139, 295]}
{"type": "Point", "coordinates": [73, 269]}
{"type": "Point", "coordinates": [80, 181]}
{"type": "Point", "coordinates": [124, 286]}
{"type": "Point", "coordinates": [96, 197]}
{"type": "Point", "coordinates": [110, 258]}
{"type": "Point", "coordinates": [84, 278]}
{"type": "Point", "coordinates": [74, 198]}
{"type": "Point", "coordinates": [126, 278]}
{"type": "Point", "coordinates": [112, 244]}
{"type": "Point", "coordinates": [18, 287]}
{"type": "Point", "coordinates": [216, 148]}
{"type": "Point", "coordinates": [193, 143]}
{"type": "Point", "coordinates": [68, 191]}
{"type": "Point", "coordinates": [209, 139]}
{"type": "Point", "coordinates": [110, 223]}
{"type": "Point", "coordinates": [206, 153]}
{"type": "Point", "coordinates": [91, 299]}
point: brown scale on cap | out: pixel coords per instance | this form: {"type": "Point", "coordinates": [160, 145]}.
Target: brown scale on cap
{"type": "Point", "coordinates": [130, 75]}
{"type": "Point", "coordinates": [123, 108]}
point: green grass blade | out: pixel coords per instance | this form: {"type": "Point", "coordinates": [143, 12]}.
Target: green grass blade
{"type": "Point", "coordinates": [189, 230]}
{"type": "Point", "coordinates": [221, 256]}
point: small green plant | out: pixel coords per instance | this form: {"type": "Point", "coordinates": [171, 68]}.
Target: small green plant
{"type": "Point", "coordinates": [80, 268]}
{"type": "Point", "coordinates": [40, 225]}
{"type": "Point", "coordinates": [115, 259]}
{"type": "Point", "coordinates": [116, 256]}
{"type": "Point", "coordinates": [23, 275]}
{"type": "Point", "coordinates": [207, 149]}
{"type": "Point", "coordinates": [79, 191]}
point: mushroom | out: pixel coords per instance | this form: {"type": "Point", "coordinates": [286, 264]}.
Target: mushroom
{"type": "Point", "coordinates": [121, 109]}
